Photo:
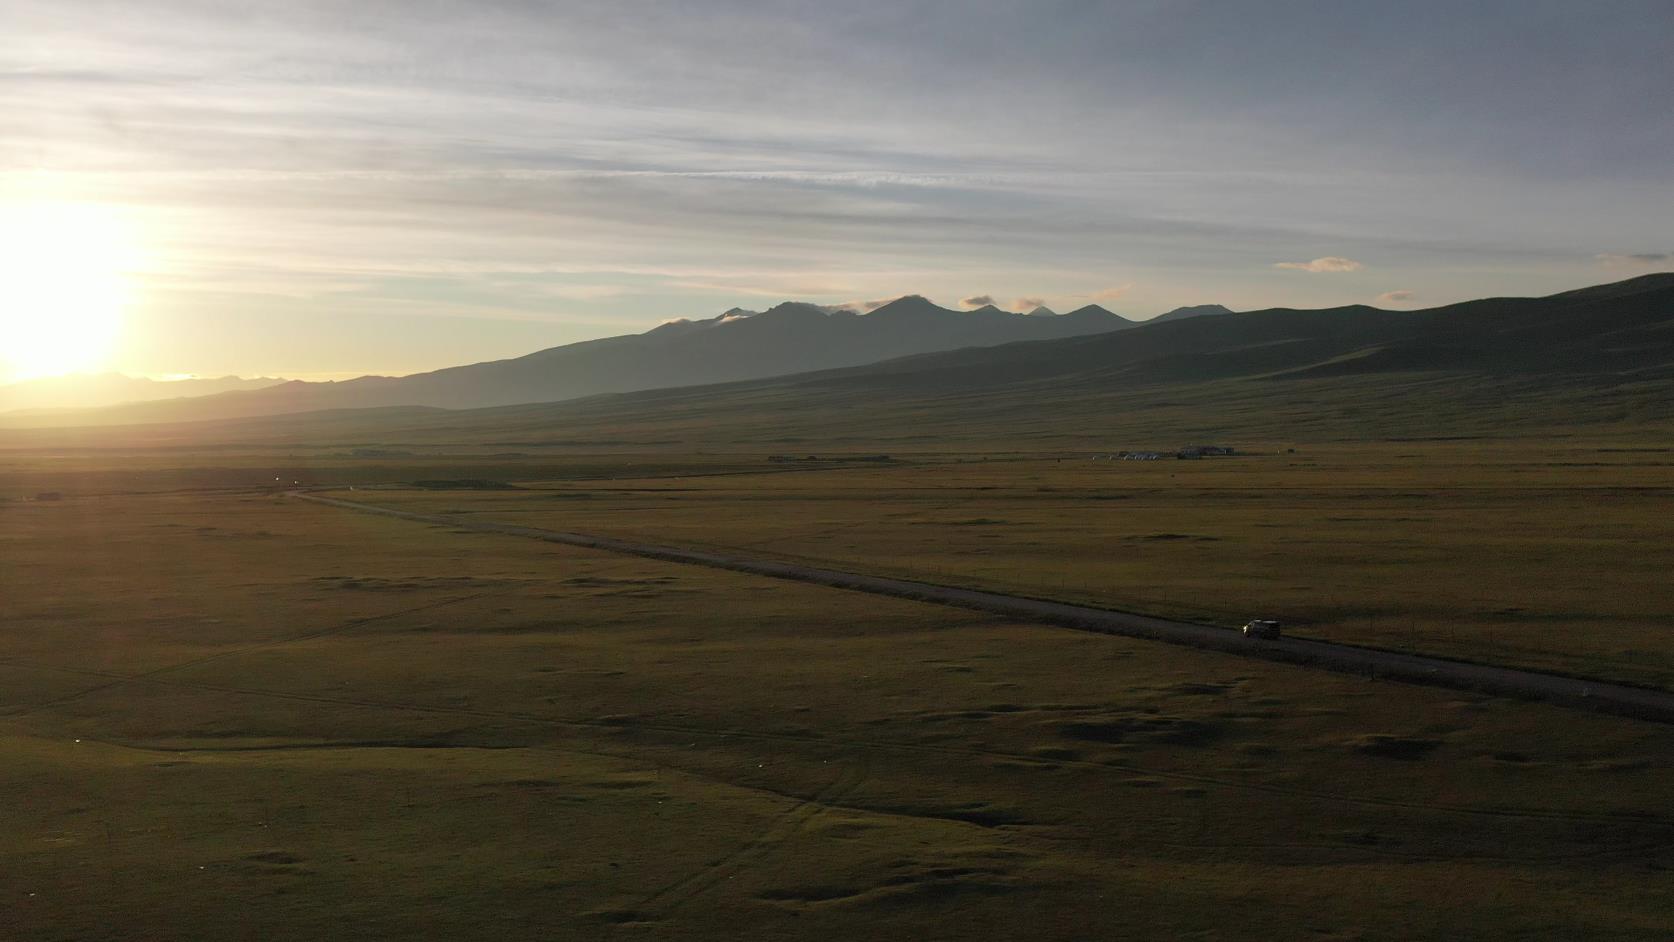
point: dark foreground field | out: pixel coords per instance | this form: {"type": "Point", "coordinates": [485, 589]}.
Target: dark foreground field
{"type": "Point", "coordinates": [232, 715]}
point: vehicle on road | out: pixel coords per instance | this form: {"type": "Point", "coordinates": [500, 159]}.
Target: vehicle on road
{"type": "Point", "coordinates": [1261, 628]}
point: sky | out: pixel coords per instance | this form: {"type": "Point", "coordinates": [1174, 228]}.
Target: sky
{"type": "Point", "coordinates": [328, 189]}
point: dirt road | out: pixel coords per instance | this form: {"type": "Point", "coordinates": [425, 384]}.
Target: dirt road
{"type": "Point", "coordinates": [1384, 665]}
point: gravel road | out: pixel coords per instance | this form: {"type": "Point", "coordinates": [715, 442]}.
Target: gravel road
{"type": "Point", "coordinates": [1635, 702]}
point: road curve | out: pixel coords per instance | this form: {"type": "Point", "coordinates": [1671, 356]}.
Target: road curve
{"type": "Point", "coordinates": [1635, 702]}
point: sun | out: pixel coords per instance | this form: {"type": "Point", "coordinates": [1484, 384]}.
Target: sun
{"type": "Point", "coordinates": [63, 287]}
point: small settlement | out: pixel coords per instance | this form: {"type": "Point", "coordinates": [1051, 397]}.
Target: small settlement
{"type": "Point", "coordinates": [1186, 453]}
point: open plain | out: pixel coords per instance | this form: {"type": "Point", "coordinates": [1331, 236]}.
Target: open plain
{"type": "Point", "coordinates": [230, 713]}
{"type": "Point", "coordinates": [1550, 556]}
{"type": "Point", "coordinates": [810, 472]}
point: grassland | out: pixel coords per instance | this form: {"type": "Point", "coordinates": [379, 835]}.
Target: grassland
{"type": "Point", "coordinates": [1553, 557]}
{"type": "Point", "coordinates": [228, 715]}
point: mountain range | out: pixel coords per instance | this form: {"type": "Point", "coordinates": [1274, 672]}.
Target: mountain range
{"type": "Point", "coordinates": [789, 338]}
{"type": "Point", "coordinates": [1580, 362]}
{"type": "Point", "coordinates": [1597, 358]}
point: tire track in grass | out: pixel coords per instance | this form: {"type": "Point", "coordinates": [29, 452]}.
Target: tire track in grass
{"type": "Point", "coordinates": [786, 825]}
{"type": "Point", "coordinates": [682, 733]}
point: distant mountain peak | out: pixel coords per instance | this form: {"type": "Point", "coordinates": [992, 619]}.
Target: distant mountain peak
{"type": "Point", "coordinates": [1042, 311]}
{"type": "Point", "coordinates": [1197, 310]}
{"type": "Point", "coordinates": [1092, 311]}
{"type": "Point", "coordinates": [796, 309]}
{"type": "Point", "coordinates": [908, 304]}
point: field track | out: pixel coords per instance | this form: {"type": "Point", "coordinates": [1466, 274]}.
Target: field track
{"type": "Point", "coordinates": [1572, 692]}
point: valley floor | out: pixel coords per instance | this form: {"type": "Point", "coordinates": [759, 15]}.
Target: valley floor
{"type": "Point", "coordinates": [231, 715]}
{"type": "Point", "coordinates": [1552, 557]}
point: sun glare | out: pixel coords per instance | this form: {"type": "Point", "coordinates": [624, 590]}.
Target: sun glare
{"type": "Point", "coordinates": [63, 287]}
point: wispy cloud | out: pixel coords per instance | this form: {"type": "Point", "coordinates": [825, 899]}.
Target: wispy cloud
{"type": "Point", "coordinates": [1027, 304]}
{"type": "Point", "coordinates": [864, 307]}
{"type": "Point", "coordinates": [1330, 263]}
{"type": "Point", "coordinates": [977, 300]}
{"type": "Point", "coordinates": [1635, 260]}
{"type": "Point", "coordinates": [1395, 297]}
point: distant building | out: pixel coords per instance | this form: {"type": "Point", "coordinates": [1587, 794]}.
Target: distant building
{"type": "Point", "coordinates": [1190, 451]}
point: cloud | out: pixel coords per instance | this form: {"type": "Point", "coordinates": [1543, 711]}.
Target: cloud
{"type": "Point", "coordinates": [977, 300]}
{"type": "Point", "coordinates": [1330, 263]}
{"type": "Point", "coordinates": [1111, 294]}
{"type": "Point", "coordinates": [863, 307]}
{"type": "Point", "coordinates": [1396, 296]}
{"type": "Point", "coordinates": [1637, 260]}
{"type": "Point", "coordinates": [1027, 304]}
{"type": "Point", "coordinates": [367, 149]}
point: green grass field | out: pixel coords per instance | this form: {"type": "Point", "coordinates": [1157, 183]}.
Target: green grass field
{"type": "Point", "coordinates": [227, 714]}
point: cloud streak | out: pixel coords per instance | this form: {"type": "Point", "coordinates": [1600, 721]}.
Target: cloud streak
{"type": "Point", "coordinates": [977, 300]}
{"type": "Point", "coordinates": [1635, 260]}
{"type": "Point", "coordinates": [1330, 263]}
{"type": "Point", "coordinates": [864, 307]}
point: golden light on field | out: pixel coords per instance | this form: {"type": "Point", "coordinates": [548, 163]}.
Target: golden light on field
{"type": "Point", "coordinates": [63, 287]}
